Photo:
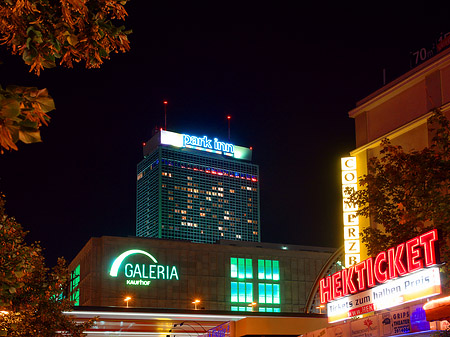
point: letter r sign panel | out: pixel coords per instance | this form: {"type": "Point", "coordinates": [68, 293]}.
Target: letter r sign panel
{"type": "Point", "coordinates": [351, 233]}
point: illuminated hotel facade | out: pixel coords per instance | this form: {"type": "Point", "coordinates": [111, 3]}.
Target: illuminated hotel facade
{"type": "Point", "coordinates": [198, 189]}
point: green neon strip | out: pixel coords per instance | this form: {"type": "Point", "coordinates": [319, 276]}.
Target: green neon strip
{"type": "Point", "coordinates": [234, 292]}
{"type": "Point", "coordinates": [241, 268]}
{"type": "Point", "coordinates": [248, 269]}
{"type": "Point", "coordinates": [262, 293]}
{"type": "Point", "coordinates": [233, 263]}
{"type": "Point", "coordinates": [276, 270]}
{"type": "Point", "coordinates": [117, 262]}
{"type": "Point", "coordinates": [261, 274]}
{"type": "Point", "coordinates": [268, 269]}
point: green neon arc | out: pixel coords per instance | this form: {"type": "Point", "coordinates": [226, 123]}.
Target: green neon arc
{"type": "Point", "coordinates": [117, 262]}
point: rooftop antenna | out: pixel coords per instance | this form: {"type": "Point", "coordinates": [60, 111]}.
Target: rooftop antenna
{"type": "Point", "coordinates": [165, 115]}
{"type": "Point", "coordinates": [229, 118]}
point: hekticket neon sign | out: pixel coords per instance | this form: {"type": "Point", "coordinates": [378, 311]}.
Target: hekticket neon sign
{"type": "Point", "coordinates": [404, 271]}
{"type": "Point", "coordinates": [141, 273]}
{"type": "Point", "coordinates": [205, 143]}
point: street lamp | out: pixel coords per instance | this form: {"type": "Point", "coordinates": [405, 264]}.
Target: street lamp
{"type": "Point", "coordinates": [195, 302]}
{"type": "Point", "coordinates": [320, 307]}
{"type": "Point", "coordinates": [253, 305]}
{"type": "Point", "coordinates": [127, 299]}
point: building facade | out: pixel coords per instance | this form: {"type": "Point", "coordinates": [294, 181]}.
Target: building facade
{"type": "Point", "coordinates": [398, 111]}
{"type": "Point", "coordinates": [226, 276]}
{"type": "Point", "coordinates": [197, 189]}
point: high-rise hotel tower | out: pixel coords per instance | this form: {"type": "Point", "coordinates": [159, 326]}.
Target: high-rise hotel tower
{"type": "Point", "coordinates": [199, 189]}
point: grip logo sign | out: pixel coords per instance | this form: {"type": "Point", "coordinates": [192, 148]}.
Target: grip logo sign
{"type": "Point", "coordinates": [139, 268]}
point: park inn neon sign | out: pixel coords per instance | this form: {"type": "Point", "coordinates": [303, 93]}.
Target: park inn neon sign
{"type": "Point", "coordinates": [141, 274]}
{"type": "Point", "coordinates": [205, 143]}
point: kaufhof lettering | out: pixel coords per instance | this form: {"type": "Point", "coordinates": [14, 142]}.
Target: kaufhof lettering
{"type": "Point", "coordinates": [204, 142]}
{"type": "Point", "coordinates": [413, 255]}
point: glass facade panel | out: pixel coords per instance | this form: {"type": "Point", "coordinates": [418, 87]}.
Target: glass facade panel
{"type": "Point", "coordinates": [234, 292]}
{"type": "Point", "coordinates": [241, 268]}
{"type": "Point", "coordinates": [241, 292]}
{"type": "Point", "coordinates": [268, 269]}
{"type": "Point", "coordinates": [276, 270]}
{"type": "Point", "coordinates": [261, 274]}
{"type": "Point", "coordinates": [248, 269]}
{"type": "Point", "coordinates": [262, 292]}
{"type": "Point", "coordinates": [276, 293]}
{"type": "Point", "coordinates": [233, 263]}
{"type": "Point", "coordinates": [249, 292]}
{"type": "Point", "coordinates": [269, 293]}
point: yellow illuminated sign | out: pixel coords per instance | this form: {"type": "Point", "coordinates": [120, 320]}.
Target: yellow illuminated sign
{"type": "Point", "coordinates": [351, 221]}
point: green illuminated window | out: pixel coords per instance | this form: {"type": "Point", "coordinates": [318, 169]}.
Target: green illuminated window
{"type": "Point", "coordinates": [266, 309]}
{"type": "Point", "coordinates": [234, 292]}
{"type": "Point", "coordinates": [241, 292]}
{"type": "Point", "coordinates": [269, 298]}
{"type": "Point", "coordinates": [233, 264]}
{"type": "Point", "coordinates": [276, 270]}
{"type": "Point", "coordinates": [74, 282]}
{"type": "Point", "coordinates": [269, 293]}
{"type": "Point", "coordinates": [261, 274]}
{"type": "Point", "coordinates": [249, 292]}
{"type": "Point", "coordinates": [276, 293]}
{"type": "Point", "coordinates": [241, 268]}
{"type": "Point", "coordinates": [234, 308]}
{"type": "Point", "coordinates": [262, 293]}
{"type": "Point", "coordinates": [248, 269]}
{"type": "Point", "coordinates": [269, 270]}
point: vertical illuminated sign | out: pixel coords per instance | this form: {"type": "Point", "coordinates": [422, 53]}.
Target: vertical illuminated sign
{"type": "Point", "coordinates": [351, 221]}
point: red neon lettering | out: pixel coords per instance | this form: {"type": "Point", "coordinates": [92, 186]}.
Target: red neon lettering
{"type": "Point", "coordinates": [380, 271]}
{"type": "Point", "coordinates": [325, 290]}
{"type": "Point", "coordinates": [428, 240]}
{"type": "Point", "coordinates": [413, 255]}
{"type": "Point", "coordinates": [336, 279]}
{"type": "Point", "coordinates": [347, 280]}
{"type": "Point", "coordinates": [396, 266]}
{"type": "Point", "coordinates": [370, 276]}
{"type": "Point", "coordinates": [360, 267]}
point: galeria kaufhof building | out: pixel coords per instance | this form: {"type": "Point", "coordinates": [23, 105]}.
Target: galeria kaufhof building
{"type": "Point", "coordinates": [226, 276]}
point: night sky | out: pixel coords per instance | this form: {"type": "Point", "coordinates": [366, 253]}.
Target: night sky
{"type": "Point", "coordinates": [287, 75]}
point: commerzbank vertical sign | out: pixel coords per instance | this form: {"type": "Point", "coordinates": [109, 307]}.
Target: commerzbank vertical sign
{"type": "Point", "coordinates": [140, 268]}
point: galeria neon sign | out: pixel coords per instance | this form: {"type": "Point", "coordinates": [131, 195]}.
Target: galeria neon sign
{"type": "Point", "coordinates": [411, 256]}
{"type": "Point", "coordinates": [205, 143]}
{"type": "Point", "coordinates": [142, 274]}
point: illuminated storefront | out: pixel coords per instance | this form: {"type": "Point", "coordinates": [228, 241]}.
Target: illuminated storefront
{"type": "Point", "coordinates": [384, 295]}
{"type": "Point", "coordinates": [230, 276]}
